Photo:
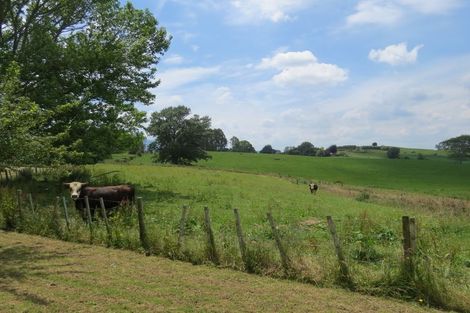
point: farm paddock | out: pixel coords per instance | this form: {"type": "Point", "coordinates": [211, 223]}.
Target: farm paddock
{"type": "Point", "coordinates": [370, 233]}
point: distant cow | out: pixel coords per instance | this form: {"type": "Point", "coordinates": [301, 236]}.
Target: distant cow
{"type": "Point", "coordinates": [313, 187]}
{"type": "Point", "coordinates": [112, 196]}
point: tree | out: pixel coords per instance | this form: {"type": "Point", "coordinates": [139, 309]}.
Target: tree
{"type": "Point", "coordinates": [234, 142]}
{"type": "Point", "coordinates": [459, 147]}
{"type": "Point", "coordinates": [268, 149]}
{"type": "Point", "coordinates": [85, 63]}
{"type": "Point", "coordinates": [333, 149]}
{"type": "Point", "coordinates": [241, 145]}
{"type": "Point", "coordinates": [374, 144]}
{"type": "Point", "coordinates": [215, 140]}
{"type": "Point", "coordinates": [21, 142]}
{"type": "Point", "coordinates": [179, 137]}
{"type": "Point", "coordinates": [393, 153]}
{"type": "Point", "coordinates": [307, 148]}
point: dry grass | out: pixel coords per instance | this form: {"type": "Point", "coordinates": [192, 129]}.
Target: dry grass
{"type": "Point", "coordinates": [43, 275]}
{"type": "Point", "coordinates": [406, 200]}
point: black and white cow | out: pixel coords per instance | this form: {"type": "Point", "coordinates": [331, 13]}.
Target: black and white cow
{"type": "Point", "coordinates": [113, 196]}
{"type": "Point", "coordinates": [313, 187]}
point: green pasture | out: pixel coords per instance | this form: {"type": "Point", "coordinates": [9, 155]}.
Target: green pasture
{"type": "Point", "coordinates": [370, 232]}
{"type": "Point", "coordinates": [300, 215]}
{"type": "Point", "coordinates": [435, 175]}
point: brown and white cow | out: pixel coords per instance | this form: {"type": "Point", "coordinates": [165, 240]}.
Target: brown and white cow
{"type": "Point", "coordinates": [113, 196]}
{"type": "Point", "coordinates": [313, 187]}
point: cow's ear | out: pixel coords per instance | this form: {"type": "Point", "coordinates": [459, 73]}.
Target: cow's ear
{"type": "Point", "coordinates": [67, 184]}
{"type": "Point", "coordinates": [84, 184]}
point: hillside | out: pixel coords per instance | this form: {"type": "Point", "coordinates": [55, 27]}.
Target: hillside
{"type": "Point", "coordinates": [43, 275]}
{"type": "Point", "coordinates": [434, 175]}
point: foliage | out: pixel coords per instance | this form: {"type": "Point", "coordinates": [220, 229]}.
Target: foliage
{"type": "Point", "coordinates": [21, 140]}
{"type": "Point", "coordinates": [179, 138]}
{"type": "Point", "coordinates": [305, 148]}
{"type": "Point", "coordinates": [84, 63]}
{"type": "Point", "coordinates": [268, 149]}
{"type": "Point", "coordinates": [215, 140]}
{"type": "Point", "coordinates": [459, 147]}
{"type": "Point", "coordinates": [393, 153]}
{"type": "Point", "coordinates": [241, 145]}
{"type": "Point", "coordinates": [331, 150]}
{"type": "Point", "coordinates": [130, 142]}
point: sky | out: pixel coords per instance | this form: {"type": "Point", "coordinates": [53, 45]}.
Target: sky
{"type": "Point", "coordinates": [280, 72]}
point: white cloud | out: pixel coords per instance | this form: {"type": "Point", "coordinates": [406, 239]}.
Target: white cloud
{"type": "Point", "coordinates": [302, 68]}
{"type": "Point", "coordinates": [390, 12]}
{"type": "Point", "coordinates": [249, 11]}
{"type": "Point", "coordinates": [395, 54]}
{"type": "Point", "coordinates": [287, 59]}
{"type": "Point", "coordinates": [432, 6]}
{"type": "Point", "coordinates": [174, 78]}
{"type": "Point", "coordinates": [173, 59]}
{"type": "Point", "coordinates": [223, 95]}
{"type": "Point", "coordinates": [375, 12]}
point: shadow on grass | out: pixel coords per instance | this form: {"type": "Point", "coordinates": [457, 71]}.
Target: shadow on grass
{"type": "Point", "coordinates": [18, 263]}
{"type": "Point", "coordinates": [161, 195]}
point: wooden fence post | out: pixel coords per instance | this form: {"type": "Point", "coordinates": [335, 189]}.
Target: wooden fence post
{"type": "Point", "coordinates": [409, 242]}
{"type": "Point", "coordinates": [105, 218]}
{"type": "Point", "coordinates": [184, 213]}
{"type": "Point", "coordinates": [31, 203]}
{"type": "Point", "coordinates": [339, 252]}
{"type": "Point", "coordinates": [284, 258]}
{"type": "Point", "coordinates": [241, 239]}
{"type": "Point", "coordinates": [88, 216]}
{"type": "Point", "coordinates": [66, 214]}
{"type": "Point", "coordinates": [413, 234]}
{"type": "Point", "coordinates": [20, 205]}
{"type": "Point", "coordinates": [406, 236]}
{"type": "Point", "coordinates": [142, 231]}
{"type": "Point", "coordinates": [214, 257]}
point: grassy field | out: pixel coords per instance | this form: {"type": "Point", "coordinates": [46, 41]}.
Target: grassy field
{"type": "Point", "coordinates": [433, 176]}
{"type": "Point", "coordinates": [43, 275]}
{"type": "Point", "coordinates": [370, 230]}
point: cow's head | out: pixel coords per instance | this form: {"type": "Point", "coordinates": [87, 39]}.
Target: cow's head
{"type": "Point", "coordinates": [75, 188]}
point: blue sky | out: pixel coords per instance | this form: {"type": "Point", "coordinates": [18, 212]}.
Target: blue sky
{"type": "Point", "coordinates": [281, 72]}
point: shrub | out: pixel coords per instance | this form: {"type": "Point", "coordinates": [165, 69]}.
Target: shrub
{"type": "Point", "coordinates": [67, 173]}
{"type": "Point", "coordinates": [393, 153]}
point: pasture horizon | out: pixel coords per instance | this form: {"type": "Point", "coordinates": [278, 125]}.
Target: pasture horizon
{"type": "Point", "coordinates": [436, 175]}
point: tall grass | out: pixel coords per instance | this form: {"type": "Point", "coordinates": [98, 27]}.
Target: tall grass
{"type": "Point", "coordinates": [370, 234]}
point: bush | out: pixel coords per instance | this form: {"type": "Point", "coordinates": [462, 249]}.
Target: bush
{"type": "Point", "coordinates": [393, 153]}
{"type": "Point", "coordinates": [67, 173]}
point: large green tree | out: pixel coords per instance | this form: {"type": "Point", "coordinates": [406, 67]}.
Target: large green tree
{"type": "Point", "coordinates": [86, 63]}
{"type": "Point", "coordinates": [459, 147]}
{"type": "Point", "coordinates": [179, 137]}
{"type": "Point", "coordinates": [21, 141]}
{"type": "Point", "coordinates": [268, 149]}
{"type": "Point", "coordinates": [215, 140]}
{"type": "Point", "coordinates": [241, 145]}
